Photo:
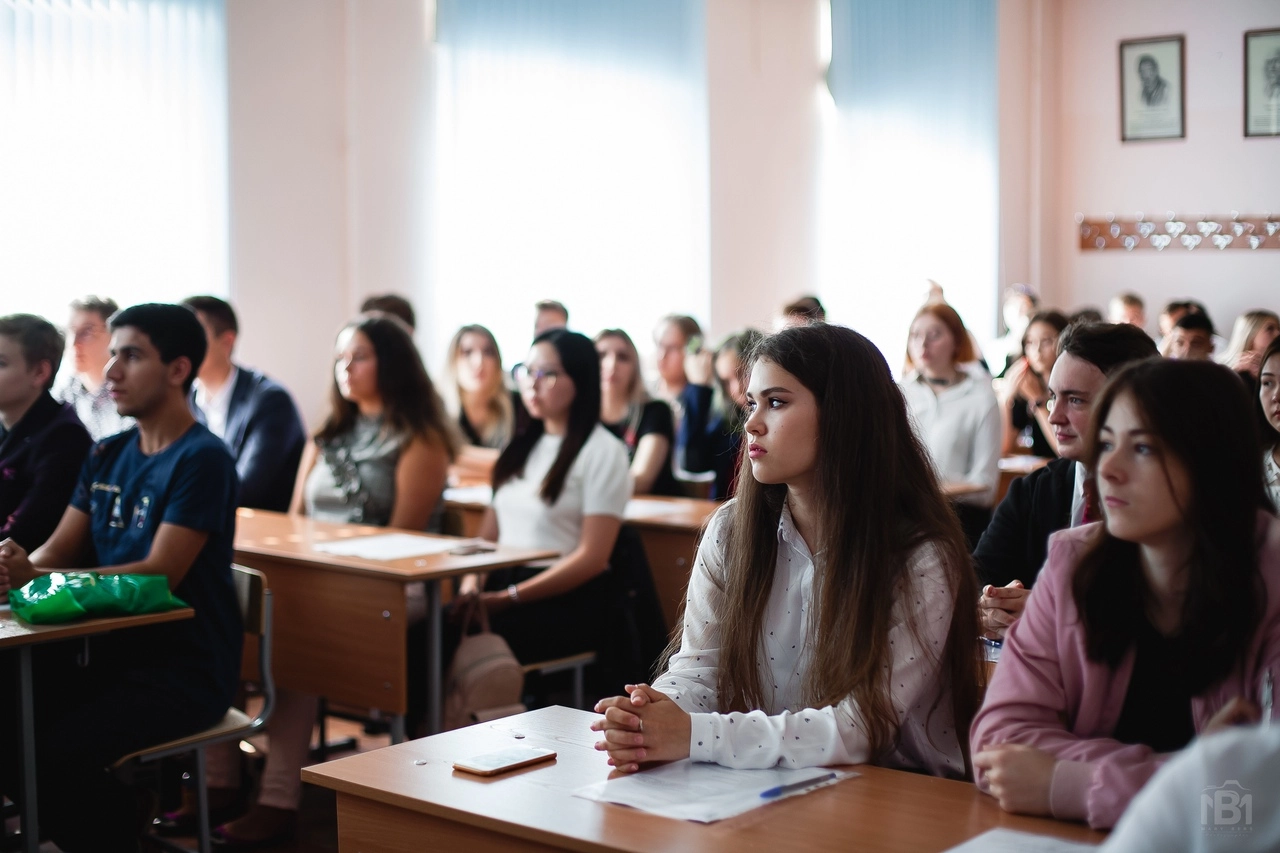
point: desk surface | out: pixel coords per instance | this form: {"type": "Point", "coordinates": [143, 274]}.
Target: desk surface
{"type": "Point", "coordinates": [292, 538]}
{"type": "Point", "coordinates": [883, 810]}
{"type": "Point", "coordinates": [14, 632]}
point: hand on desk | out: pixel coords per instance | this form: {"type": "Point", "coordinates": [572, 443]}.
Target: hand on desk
{"type": "Point", "coordinates": [642, 726]}
{"type": "Point", "coordinates": [999, 606]}
{"type": "Point", "coordinates": [1018, 776]}
{"type": "Point", "coordinates": [13, 561]}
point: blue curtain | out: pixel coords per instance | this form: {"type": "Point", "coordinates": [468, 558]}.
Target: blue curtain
{"type": "Point", "coordinates": [570, 164]}
{"type": "Point", "coordinates": [914, 142]}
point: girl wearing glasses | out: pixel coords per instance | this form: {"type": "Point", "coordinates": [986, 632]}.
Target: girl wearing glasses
{"type": "Point", "coordinates": [827, 618]}
{"type": "Point", "coordinates": [561, 484]}
{"type": "Point", "coordinates": [1025, 388]}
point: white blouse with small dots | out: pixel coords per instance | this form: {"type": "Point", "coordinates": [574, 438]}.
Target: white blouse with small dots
{"type": "Point", "coordinates": [785, 732]}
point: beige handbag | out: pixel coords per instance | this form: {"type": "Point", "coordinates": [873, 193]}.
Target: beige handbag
{"type": "Point", "coordinates": [485, 680]}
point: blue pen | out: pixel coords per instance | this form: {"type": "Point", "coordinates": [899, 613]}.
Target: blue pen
{"type": "Point", "coordinates": [783, 790]}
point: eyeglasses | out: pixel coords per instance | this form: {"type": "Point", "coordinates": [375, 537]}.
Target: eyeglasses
{"type": "Point", "coordinates": [531, 378]}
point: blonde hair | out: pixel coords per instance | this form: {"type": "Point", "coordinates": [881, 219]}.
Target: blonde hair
{"type": "Point", "coordinates": [498, 401]}
{"type": "Point", "coordinates": [1244, 331]}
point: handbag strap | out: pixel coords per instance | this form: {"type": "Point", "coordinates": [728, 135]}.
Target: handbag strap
{"type": "Point", "coordinates": [477, 613]}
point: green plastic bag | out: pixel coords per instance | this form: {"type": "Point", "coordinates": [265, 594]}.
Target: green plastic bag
{"type": "Point", "coordinates": [67, 596]}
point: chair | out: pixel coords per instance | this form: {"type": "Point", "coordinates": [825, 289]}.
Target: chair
{"type": "Point", "coordinates": [255, 610]}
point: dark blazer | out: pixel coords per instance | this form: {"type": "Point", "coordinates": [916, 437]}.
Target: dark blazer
{"type": "Point", "coordinates": [1017, 540]}
{"type": "Point", "coordinates": [40, 461]}
{"type": "Point", "coordinates": [709, 443]}
{"type": "Point", "coordinates": [265, 436]}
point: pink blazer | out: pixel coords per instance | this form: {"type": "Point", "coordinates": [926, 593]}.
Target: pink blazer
{"type": "Point", "coordinates": [1046, 692]}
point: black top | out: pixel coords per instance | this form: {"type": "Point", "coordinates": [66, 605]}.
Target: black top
{"type": "Point", "coordinates": [40, 461]}
{"type": "Point", "coordinates": [1022, 419]}
{"type": "Point", "coordinates": [653, 418]}
{"type": "Point", "coordinates": [1016, 542]}
{"type": "Point", "coordinates": [1157, 707]}
{"type": "Point", "coordinates": [519, 416]}
{"type": "Point", "coordinates": [710, 442]}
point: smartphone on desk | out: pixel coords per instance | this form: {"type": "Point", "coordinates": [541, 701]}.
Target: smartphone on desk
{"type": "Point", "coordinates": [512, 758]}
{"type": "Point", "coordinates": [468, 549]}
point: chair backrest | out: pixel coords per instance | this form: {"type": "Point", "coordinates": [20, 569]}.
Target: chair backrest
{"type": "Point", "coordinates": [255, 610]}
{"type": "Point", "coordinates": [251, 592]}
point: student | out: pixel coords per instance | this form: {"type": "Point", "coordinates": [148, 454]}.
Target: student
{"type": "Point", "coordinates": [1269, 419]}
{"type": "Point", "coordinates": [840, 561]}
{"type": "Point", "coordinates": [1218, 795]}
{"type": "Point", "coordinates": [1252, 334]}
{"type": "Point", "coordinates": [1146, 629]}
{"type": "Point", "coordinates": [1012, 549]}
{"type": "Point", "coordinates": [42, 442]}
{"type": "Point", "coordinates": [1192, 338]}
{"type": "Point", "coordinates": [157, 499]}
{"type": "Point", "coordinates": [676, 337]}
{"type": "Point", "coordinates": [1020, 303]}
{"type": "Point", "coordinates": [1128, 308]}
{"type": "Point", "coordinates": [560, 485]}
{"type": "Point", "coordinates": [486, 410]}
{"type": "Point", "coordinates": [1171, 313]}
{"type": "Point", "coordinates": [1025, 390]}
{"type": "Point", "coordinates": [550, 314]}
{"type": "Point", "coordinates": [380, 457]}
{"type": "Point", "coordinates": [644, 425]}
{"type": "Point", "coordinates": [393, 304]}
{"type": "Point", "coordinates": [712, 430]}
{"type": "Point", "coordinates": [805, 310]}
{"type": "Point", "coordinates": [83, 386]}
{"type": "Point", "coordinates": [954, 411]}
{"type": "Point", "coordinates": [254, 415]}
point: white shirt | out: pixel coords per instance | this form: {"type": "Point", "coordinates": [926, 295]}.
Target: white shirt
{"type": "Point", "coordinates": [786, 731]}
{"type": "Point", "coordinates": [598, 484]}
{"type": "Point", "coordinates": [96, 410]}
{"type": "Point", "coordinates": [1196, 802]}
{"type": "Point", "coordinates": [217, 406]}
{"type": "Point", "coordinates": [960, 425]}
{"type": "Point", "coordinates": [1077, 497]}
{"type": "Point", "coordinates": [1271, 471]}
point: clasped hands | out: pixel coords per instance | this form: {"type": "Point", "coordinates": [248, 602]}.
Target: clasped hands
{"type": "Point", "coordinates": [13, 561]}
{"type": "Point", "coordinates": [645, 725]}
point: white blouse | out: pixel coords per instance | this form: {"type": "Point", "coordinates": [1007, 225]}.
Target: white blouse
{"type": "Point", "coordinates": [960, 426]}
{"type": "Point", "coordinates": [786, 732]}
{"type": "Point", "coordinates": [1272, 473]}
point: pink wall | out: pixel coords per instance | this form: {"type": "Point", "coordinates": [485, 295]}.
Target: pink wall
{"type": "Point", "coordinates": [1214, 170]}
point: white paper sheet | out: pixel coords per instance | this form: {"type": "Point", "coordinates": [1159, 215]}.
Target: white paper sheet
{"type": "Point", "coordinates": [469, 494]}
{"type": "Point", "coordinates": [648, 508]}
{"type": "Point", "coordinates": [1010, 841]}
{"type": "Point", "coordinates": [388, 546]}
{"type": "Point", "coordinates": [706, 792]}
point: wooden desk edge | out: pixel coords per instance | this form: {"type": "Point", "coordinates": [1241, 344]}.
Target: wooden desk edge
{"type": "Point", "coordinates": [90, 627]}
{"type": "Point", "coordinates": [481, 562]}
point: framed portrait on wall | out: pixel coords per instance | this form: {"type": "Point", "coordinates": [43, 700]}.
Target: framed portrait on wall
{"type": "Point", "coordinates": [1152, 82]}
{"type": "Point", "coordinates": [1262, 83]}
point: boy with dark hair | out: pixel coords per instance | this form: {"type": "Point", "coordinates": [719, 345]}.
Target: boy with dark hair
{"type": "Point", "coordinates": [1192, 337]}
{"type": "Point", "coordinates": [157, 499]}
{"type": "Point", "coordinates": [252, 414]}
{"type": "Point", "coordinates": [42, 442]}
{"type": "Point", "coordinates": [1055, 497]}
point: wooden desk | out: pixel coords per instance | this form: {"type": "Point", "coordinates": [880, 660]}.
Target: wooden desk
{"type": "Point", "coordinates": [23, 637]}
{"type": "Point", "coordinates": [409, 797]}
{"type": "Point", "coordinates": [341, 623]}
{"type": "Point", "coordinates": [1013, 467]}
{"type": "Point", "coordinates": [958, 490]}
{"type": "Point", "coordinates": [669, 529]}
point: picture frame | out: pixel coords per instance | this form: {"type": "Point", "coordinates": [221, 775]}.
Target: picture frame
{"type": "Point", "coordinates": [1262, 82]}
{"type": "Point", "coordinates": [1153, 88]}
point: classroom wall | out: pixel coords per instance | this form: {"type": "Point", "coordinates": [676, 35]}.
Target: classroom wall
{"type": "Point", "coordinates": [1213, 170]}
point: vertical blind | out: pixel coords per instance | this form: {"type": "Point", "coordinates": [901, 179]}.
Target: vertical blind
{"type": "Point", "coordinates": [910, 163]}
{"type": "Point", "coordinates": [570, 164]}
{"type": "Point", "coordinates": [113, 151]}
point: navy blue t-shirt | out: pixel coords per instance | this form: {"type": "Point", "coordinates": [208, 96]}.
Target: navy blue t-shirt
{"type": "Point", "coordinates": [128, 495]}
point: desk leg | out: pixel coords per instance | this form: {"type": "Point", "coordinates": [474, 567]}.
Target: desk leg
{"type": "Point", "coordinates": [27, 724]}
{"type": "Point", "coordinates": [435, 697]}
{"type": "Point", "coordinates": [398, 729]}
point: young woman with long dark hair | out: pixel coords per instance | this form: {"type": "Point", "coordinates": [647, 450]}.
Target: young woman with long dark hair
{"type": "Point", "coordinates": [1269, 418]}
{"type": "Point", "coordinates": [1149, 627]}
{"type": "Point", "coordinates": [561, 484]}
{"type": "Point", "coordinates": [827, 619]}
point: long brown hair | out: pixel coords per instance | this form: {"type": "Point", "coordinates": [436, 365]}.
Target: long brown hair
{"type": "Point", "coordinates": [499, 403]}
{"type": "Point", "coordinates": [1216, 442]}
{"type": "Point", "coordinates": [410, 403]}
{"type": "Point", "coordinates": [878, 501]}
